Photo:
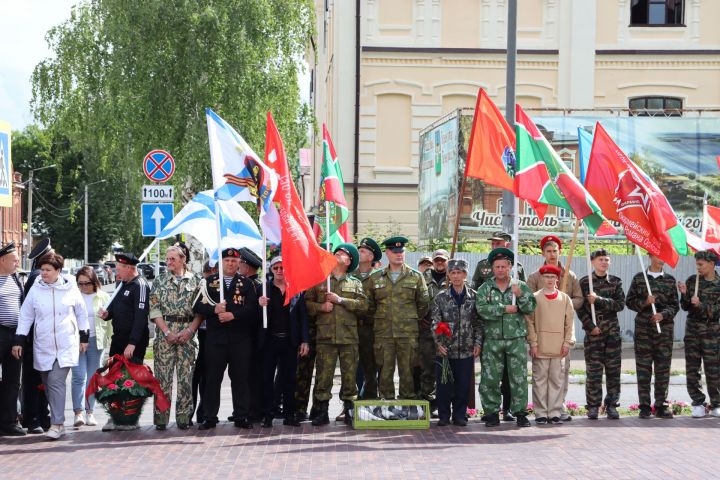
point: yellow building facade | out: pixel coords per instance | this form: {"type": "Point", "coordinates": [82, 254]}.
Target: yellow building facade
{"type": "Point", "coordinates": [421, 59]}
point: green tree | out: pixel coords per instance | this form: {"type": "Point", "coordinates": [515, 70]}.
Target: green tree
{"type": "Point", "coordinates": [128, 77]}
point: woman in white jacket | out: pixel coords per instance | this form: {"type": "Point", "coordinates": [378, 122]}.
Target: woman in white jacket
{"type": "Point", "coordinates": [56, 308]}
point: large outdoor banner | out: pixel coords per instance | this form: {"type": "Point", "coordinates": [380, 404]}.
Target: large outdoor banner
{"type": "Point", "coordinates": [680, 154]}
{"type": "Point", "coordinates": [5, 166]}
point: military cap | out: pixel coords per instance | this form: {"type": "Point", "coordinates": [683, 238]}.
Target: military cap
{"type": "Point", "coordinates": [8, 248]}
{"type": "Point", "coordinates": [457, 264]}
{"type": "Point", "coordinates": [501, 237]}
{"type": "Point", "coordinates": [41, 248]}
{"type": "Point", "coordinates": [550, 238]}
{"type": "Point", "coordinates": [707, 255]}
{"type": "Point", "coordinates": [275, 260]}
{"type": "Point", "coordinates": [600, 252]}
{"type": "Point", "coordinates": [441, 253]}
{"type": "Point", "coordinates": [250, 257]}
{"type": "Point", "coordinates": [230, 253]}
{"type": "Point", "coordinates": [351, 250]}
{"type": "Point", "coordinates": [501, 253]}
{"type": "Point", "coordinates": [371, 245]}
{"type": "Point", "coordinates": [550, 270]}
{"type": "Point", "coordinates": [395, 244]}
{"type": "Point", "coordinates": [126, 258]}
{"type": "Point", "coordinates": [425, 259]}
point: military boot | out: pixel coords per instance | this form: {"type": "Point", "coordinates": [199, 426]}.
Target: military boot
{"type": "Point", "coordinates": [321, 418]}
{"type": "Point", "coordinates": [348, 411]}
{"type": "Point", "coordinates": [314, 410]}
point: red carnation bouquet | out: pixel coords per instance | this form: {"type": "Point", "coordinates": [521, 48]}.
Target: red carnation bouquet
{"type": "Point", "coordinates": [443, 335]}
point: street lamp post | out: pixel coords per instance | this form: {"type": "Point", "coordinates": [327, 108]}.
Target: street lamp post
{"type": "Point", "coordinates": [28, 248]}
{"type": "Point", "coordinates": [85, 253]}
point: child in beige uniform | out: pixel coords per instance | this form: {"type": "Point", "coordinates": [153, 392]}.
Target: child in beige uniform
{"type": "Point", "coordinates": [550, 335]}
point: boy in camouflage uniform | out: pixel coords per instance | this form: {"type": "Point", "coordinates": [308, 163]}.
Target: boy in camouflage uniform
{"type": "Point", "coordinates": [603, 343]}
{"type": "Point", "coordinates": [398, 300]}
{"type": "Point", "coordinates": [505, 332]}
{"type": "Point", "coordinates": [336, 313]}
{"type": "Point", "coordinates": [702, 333]}
{"type": "Point", "coordinates": [652, 347]}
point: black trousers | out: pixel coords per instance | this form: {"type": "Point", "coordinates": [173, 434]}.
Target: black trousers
{"type": "Point", "coordinates": [281, 355]}
{"type": "Point", "coordinates": [120, 341]}
{"type": "Point", "coordinates": [455, 392]}
{"type": "Point", "coordinates": [505, 388]}
{"type": "Point", "coordinates": [10, 384]}
{"type": "Point", "coordinates": [35, 409]}
{"type": "Point", "coordinates": [236, 357]}
{"type": "Point", "coordinates": [198, 381]}
{"type": "Point", "coordinates": [255, 384]}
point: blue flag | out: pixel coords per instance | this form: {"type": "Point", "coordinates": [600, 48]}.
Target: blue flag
{"type": "Point", "coordinates": [585, 139]}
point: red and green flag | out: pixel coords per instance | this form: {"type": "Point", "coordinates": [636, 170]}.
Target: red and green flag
{"type": "Point", "coordinates": [544, 179]}
{"type": "Point", "coordinates": [332, 190]}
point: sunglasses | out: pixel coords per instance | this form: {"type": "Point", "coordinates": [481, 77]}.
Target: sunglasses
{"type": "Point", "coordinates": [84, 284]}
{"type": "Point", "coordinates": [277, 269]}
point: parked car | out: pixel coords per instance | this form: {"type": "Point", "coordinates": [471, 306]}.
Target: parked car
{"type": "Point", "coordinates": [109, 272]}
{"type": "Point", "coordinates": [100, 272]}
{"type": "Point", "coordinates": [146, 270]}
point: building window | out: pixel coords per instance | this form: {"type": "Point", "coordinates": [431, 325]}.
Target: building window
{"type": "Point", "coordinates": [656, 12]}
{"type": "Point", "coordinates": [656, 107]}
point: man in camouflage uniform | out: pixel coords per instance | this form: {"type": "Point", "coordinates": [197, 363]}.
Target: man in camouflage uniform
{"type": "Point", "coordinates": [369, 253]}
{"type": "Point", "coordinates": [336, 313]}
{"type": "Point", "coordinates": [483, 273]}
{"type": "Point", "coordinates": [398, 300]}
{"type": "Point", "coordinates": [436, 281]}
{"type": "Point", "coordinates": [702, 333]}
{"type": "Point", "coordinates": [651, 346]}
{"type": "Point", "coordinates": [175, 347]}
{"type": "Point", "coordinates": [603, 343]}
{"type": "Point", "coordinates": [505, 331]}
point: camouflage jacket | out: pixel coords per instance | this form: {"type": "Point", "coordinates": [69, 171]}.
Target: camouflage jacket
{"type": "Point", "coordinates": [433, 289]}
{"type": "Point", "coordinates": [363, 319]}
{"type": "Point", "coordinates": [170, 296]}
{"type": "Point", "coordinates": [397, 307]}
{"type": "Point", "coordinates": [463, 320]}
{"type": "Point", "coordinates": [709, 294]}
{"type": "Point", "coordinates": [610, 301]}
{"type": "Point", "coordinates": [491, 302]}
{"type": "Point", "coordinates": [340, 325]}
{"type": "Point", "coordinates": [483, 273]}
{"type": "Point", "coordinates": [663, 288]}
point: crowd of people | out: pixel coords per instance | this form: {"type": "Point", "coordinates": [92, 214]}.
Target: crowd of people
{"type": "Point", "coordinates": [429, 324]}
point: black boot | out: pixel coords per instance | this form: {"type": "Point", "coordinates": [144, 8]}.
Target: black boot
{"type": "Point", "coordinates": [314, 410]}
{"type": "Point", "coordinates": [321, 418]}
{"type": "Point", "coordinates": [348, 410]}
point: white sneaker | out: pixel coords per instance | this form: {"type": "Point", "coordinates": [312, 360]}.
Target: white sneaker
{"type": "Point", "coordinates": [79, 420]}
{"type": "Point", "coordinates": [109, 426]}
{"type": "Point", "coordinates": [55, 432]}
{"type": "Point", "coordinates": [698, 411]}
{"type": "Point", "coordinates": [90, 420]}
{"type": "Point", "coordinates": [715, 412]}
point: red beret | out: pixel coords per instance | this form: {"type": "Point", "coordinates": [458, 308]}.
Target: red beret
{"type": "Point", "coordinates": [550, 238]}
{"type": "Point", "coordinates": [552, 269]}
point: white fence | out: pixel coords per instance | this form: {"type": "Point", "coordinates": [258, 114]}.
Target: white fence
{"type": "Point", "coordinates": [624, 266]}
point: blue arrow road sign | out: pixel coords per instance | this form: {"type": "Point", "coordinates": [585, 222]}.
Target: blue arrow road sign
{"type": "Point", "coordinates": [155, 216]}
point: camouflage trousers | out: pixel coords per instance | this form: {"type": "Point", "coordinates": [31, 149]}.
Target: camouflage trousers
{"type": "Point", "coordinates": [305, 367]}
{"type": "Point", "coordinates": [427, 352]}
{"type": "Point", "coordinates": [367, 361]}
{"type": "Point", "coordinates": [327, 358]}
{"type": "Point", "coordinates": [653, 351]}
{"type": "Point", "coordinates": [388, 352]}
{"type": "Point", "coordinates": [702, 346]}
{"type": "Point", "coordinates": [494, 355]}
{"type": "Point", "coordinates": [178, 359]}
{"type": "Point", "coordinates": [602, 352]}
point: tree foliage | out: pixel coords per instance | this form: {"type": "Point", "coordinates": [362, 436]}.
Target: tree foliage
{"type": "Point", "coordinates": [129, 77]}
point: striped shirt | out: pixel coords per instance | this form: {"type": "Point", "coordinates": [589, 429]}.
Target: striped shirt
{"type": "Point", "coordinates": [10, 296]}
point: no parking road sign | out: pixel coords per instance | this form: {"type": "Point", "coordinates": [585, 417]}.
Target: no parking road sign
{"type": "Point", "coordinates": [155, 217]}
{"type": "Point", "coordinates": [159, 166]}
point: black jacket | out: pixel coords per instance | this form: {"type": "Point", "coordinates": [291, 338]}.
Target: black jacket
{"type": "Point", "coordinates": [129, 311]}
{"type": "Point", "coordinates": [242, 301]}
{"type": "Point", "coordinates": [298, 317]}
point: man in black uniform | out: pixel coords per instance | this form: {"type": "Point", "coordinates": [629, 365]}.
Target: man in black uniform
{"type": "Point", "coordinates": [231, 328]}
{"type": "Point", "coordinates": [129, 314]}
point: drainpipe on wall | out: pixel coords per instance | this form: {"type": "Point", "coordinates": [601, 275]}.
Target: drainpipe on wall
{"type": "Point", "coordinates": [356, 163]}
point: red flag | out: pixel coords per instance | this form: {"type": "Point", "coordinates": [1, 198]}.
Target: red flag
{"type": "Point", "coordinates": [711, 226]}
{"type": "Point", "coordinates": [492, 143]}
{"type": "Point", "coordinates": [306, 264]}
{"type": "Point", "coordinates": [636, 206]}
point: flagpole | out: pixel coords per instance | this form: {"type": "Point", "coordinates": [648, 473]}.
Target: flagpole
{"type": "Point", "coordinates": [221, 273]}
{"type": "Point", "coordinates": [703, 232]}
{"type": "Point", "coordinates": [563, 284]}
{"type": "Point", "coordinates": [590, 272]}
{"type": "Point", "coordinates": [516, 242]}
{"type": "Point", "coordinates": [264, 283]}
{"type": "Point", "coordinates": [457, 216]}
{"type": "Point", "coordinates": [140, 259]}
{"type": "Point", "coordinates": [327, 235]}
{"type": "Point", "coordinates": [647, 283]}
